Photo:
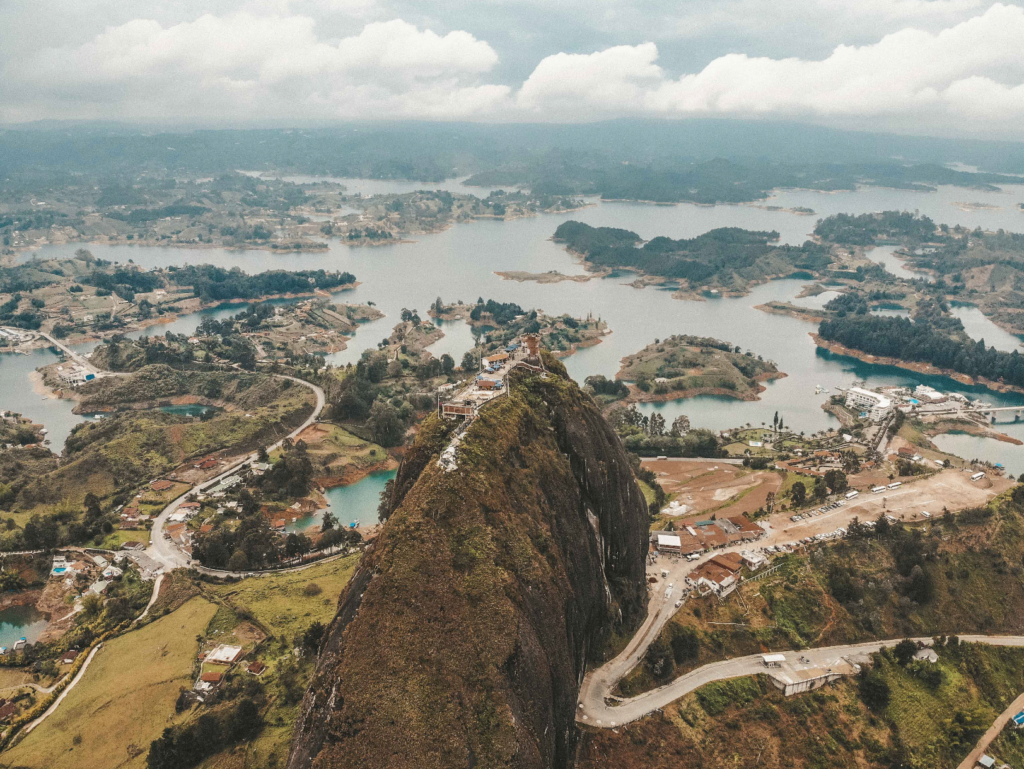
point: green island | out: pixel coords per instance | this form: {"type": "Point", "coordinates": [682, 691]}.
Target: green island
{"type": "Point", "coordinates": [684, 366]}
{"type": "Point", "coordinates": [727, 260]}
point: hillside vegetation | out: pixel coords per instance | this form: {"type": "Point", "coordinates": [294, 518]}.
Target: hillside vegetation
{"type": "Point", "coordinates": [493, 589]}
{"type": "Point", "coordinates": [727, 258]}
{"type": "Point", "coordinates": [691, 363]}
{"type": "Point", "coordinates": [959, 576]}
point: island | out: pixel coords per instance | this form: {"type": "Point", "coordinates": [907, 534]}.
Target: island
{"type": "Point", "coordinates": [727, 261]}
{"type": "Point", "coordinates": [686, 366]}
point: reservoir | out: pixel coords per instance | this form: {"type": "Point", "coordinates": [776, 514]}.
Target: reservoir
{"type": "Point", "coordinates": [21, 622]}
{"type": "Point", "coordinates": [460, 263]}
{"type": "Point", "coordinates": [357, 501]}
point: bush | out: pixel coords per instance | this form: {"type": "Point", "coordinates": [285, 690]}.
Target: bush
{"type": "Point", "coordinates": [874, 690]}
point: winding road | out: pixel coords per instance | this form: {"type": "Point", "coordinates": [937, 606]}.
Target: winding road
{"type": "Point", "coordinates": [163, 550]}
{"type": "Point", "coordinates": [594, 709]}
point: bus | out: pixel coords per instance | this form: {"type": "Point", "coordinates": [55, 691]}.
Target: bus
{"type": "Point", "coordinates": [895, 485]}
{"type": "Point", "coordinates": [852, 494]}
{"type": "Point", "coordinates": [878, 489]}
{"type": "Point", "coordinates": [977, 476]}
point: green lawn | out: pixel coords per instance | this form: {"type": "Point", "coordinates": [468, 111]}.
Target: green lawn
{"type": "Point", "coordinates": [281, 601]}
{"type": "Point", "coordinates": [124, 701]}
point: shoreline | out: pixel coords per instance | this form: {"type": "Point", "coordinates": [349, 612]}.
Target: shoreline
{"type": "Point", "coordinates": [919, 368]}
{"type": "Point", "coordinates": [636, 395]}
{"type": "Point", "coordinates": [979, 431]}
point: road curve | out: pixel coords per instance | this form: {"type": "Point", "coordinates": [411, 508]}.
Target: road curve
{"type": "Point", "coordinates": [163, 550]}
{"type": "Point", "coordinates": [993, 731]}
{"type": "Point", "coordinates": [594, 710]}
{"type": "Point", "coordinates": [60, 698]}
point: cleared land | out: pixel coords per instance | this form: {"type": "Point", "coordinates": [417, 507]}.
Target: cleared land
{"type": "Point", "coordinates": [726, 489]}
{"type": "Point", "coordinates": [124, 701]}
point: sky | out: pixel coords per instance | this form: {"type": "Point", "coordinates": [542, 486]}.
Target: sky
{"type": "Point", "coordinates": [928, 67]}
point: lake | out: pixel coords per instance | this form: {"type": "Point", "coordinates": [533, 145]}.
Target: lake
{"type": "Point", "coordinates": [21, 622]}
{"type": "Point", "coordinates": [357, 501]}
{"type": "Point", "coordinates": [460, 264]}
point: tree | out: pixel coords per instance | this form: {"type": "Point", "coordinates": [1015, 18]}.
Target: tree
{"type": "Point", "coordinates": [836, 481]}
{"type": "Point", "coordinates": [921, 586]}
{"type": "Point", "coordinates": [313, 636]}
{"type": "Point", "coordinates": [238, 561]}
{"type": "Point", "coordinates": [243, 722]}
{"type": "Point", "coordinates": [329, 521]}
{"type": "Point", "coordinates": [447, 364]}
{"type": "Point", "coordinates": [874, 689]}
{"type": "Point", "coordinates": [905, 651]}
{"type": "Point", "coordinates": [798, 493]}
{"type": "Point", "coordinates": [680, 426]}
{"type": "Point", "coordinates": [384, 506]}
{"type": "Point", "coordinates": [384, 424]}
{"type": "Point", "coordinates": [775, 422]}
{"type": "Point", "coordinates": [92, 605]}
{"type": "Point", "coordinates": [685, 645]}
{"type": "Point", "coordinates": [469, 362]}
{"type": "Point", "coordinates": [656, 424]}
{"type": "Point", "coordinates": [820, 489]}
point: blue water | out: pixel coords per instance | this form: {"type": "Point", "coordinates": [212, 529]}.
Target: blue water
{"type": "Point", "coordinates": [460, 263]}
{"type": "Point", "coordinates": [357, 501]}
{"type": "Point", "coordinates": [21, 622]}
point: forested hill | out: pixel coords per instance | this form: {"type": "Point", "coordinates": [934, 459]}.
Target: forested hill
{"type": "Point", "coordinates": [867, 229]}
{"type": "Point", "coordinates": [916, 341]}
{"type": "Point", "coordinates": [728, 257]}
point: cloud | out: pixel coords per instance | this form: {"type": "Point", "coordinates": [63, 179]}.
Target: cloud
{"type": "Point", "coordinates": [246, 66]}
{"type": "Point", "coordinates": [969, 75]}
{"type": "Point", "coordinates": [945, 71]}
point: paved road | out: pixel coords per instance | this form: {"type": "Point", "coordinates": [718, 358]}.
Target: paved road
{"type": "Point", "coordinates": [60, 698]}
{"type": "Point", "coordinates": [593, 709]}
{"type": "Point", "coordinates": [986, 739]}
{"type": "Point", "coordinates": [73, 356]}
{"type": "Point", "coordinates": [163, 550]}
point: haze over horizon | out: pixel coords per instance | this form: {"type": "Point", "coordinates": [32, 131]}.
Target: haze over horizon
{"type": "Point", "coordinates": [951, 68]}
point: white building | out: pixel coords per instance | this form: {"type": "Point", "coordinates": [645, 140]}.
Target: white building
{"type": "Point", "coordinates": [669, 543]}
{"type": "Point", "coordinates": [876, 405]}
{"type": "Point", "coordinates": [926, 394]}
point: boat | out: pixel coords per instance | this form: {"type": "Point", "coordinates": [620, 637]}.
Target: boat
{"type": "Point", "coordinates": [354, 524]}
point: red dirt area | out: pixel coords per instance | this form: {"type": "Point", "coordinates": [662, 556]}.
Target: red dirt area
{"type": "Point", "coordinates": [705, 486]}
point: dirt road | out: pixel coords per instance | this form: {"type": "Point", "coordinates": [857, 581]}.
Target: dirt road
{"type": "Point", "coordinates": [993, 731]}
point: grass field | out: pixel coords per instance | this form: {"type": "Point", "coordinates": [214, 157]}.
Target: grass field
{"type": "Point", "coordinates": [280, 601]}
{"type": "Point", "coordinates": [118, 537]}
{"type": "Point", "coordinates": [124, 701]}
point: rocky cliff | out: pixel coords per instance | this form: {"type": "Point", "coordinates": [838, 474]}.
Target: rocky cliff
{"type": "Point", "coordinates": [463, 637]}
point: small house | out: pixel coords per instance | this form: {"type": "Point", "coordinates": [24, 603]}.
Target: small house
{"type": "Point", "coordinates": [69, 656]}
{"type": "Point", "coordinates": [225, 655]}
{"type": "Point", "coordinates": [161, 484]}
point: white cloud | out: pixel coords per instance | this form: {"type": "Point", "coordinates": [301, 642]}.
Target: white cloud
{"type": "Point", "coordinates": [969, 75]}
{"type": "Point", "coordinates": [246, 66]}
{"type": "Point", "coordinates": [944, 71]}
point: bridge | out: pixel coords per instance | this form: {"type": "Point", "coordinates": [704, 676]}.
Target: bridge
{"type": "Point", "coordinates": [71, 355]}
{"type": "Point", "coordinates": [993, 411]}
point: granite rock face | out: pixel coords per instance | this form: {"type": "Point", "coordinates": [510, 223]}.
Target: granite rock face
{"type": "Point", "coordinates": [463, 637]}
